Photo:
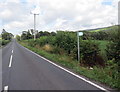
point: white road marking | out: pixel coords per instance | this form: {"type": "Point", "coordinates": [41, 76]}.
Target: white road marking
{"type": "Point", "coordinates": [12, 51]}
{"type": "Point", "coordinates": [5, 88]}
{"type": "Point", "coordinates": [69, 72]}
{"type": "Point", "coordinates": [10, 64]}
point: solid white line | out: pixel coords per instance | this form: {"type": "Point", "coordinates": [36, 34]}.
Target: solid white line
{"type": "Point", "coordinates": [10, 64]}
{"type": "Point", "coordinates": [70, 72]}
{"type": "Point", "coordinates": [5, 88]}
{"type": "Point", "coordinates": [12, 51]}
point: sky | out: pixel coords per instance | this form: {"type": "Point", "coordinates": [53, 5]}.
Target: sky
{"type": "Point", "coordinates": [72, 15]}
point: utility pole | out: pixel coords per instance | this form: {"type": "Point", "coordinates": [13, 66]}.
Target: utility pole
{"type": "Point", "coordinates": [34, 26]}
{"type": "Point", "coordinates": [35, 12]}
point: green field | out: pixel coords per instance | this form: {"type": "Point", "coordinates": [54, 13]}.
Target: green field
{"type": "Point", "coordinates": [104, 29]}
{"type": "Point", "coordinates": [102, 44]}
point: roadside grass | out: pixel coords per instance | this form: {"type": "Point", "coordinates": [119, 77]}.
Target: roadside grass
{"type": "Point", "coordinates": [0, 41]}
{"type": "Point", "coordinates": [102, 75]}
{"type": "Point", "coordinates": [3, 42]}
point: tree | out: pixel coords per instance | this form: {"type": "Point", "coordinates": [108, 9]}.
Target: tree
{"type": "Point", "coordinates": [26, 35]}
{"type": "Point", "coordinates": [6, 36]}
{"type": "Point", "coordinates": [52, 33]}
{"type": "Point", "coordinates": [18, 37]}
{"type": "Point", "coordinates": [4, 31]}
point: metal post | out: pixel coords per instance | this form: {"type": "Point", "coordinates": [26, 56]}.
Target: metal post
{"type": "Point", "coordinates": [34, 26]}
{"type": "Point", "coordinates": [78, 46]}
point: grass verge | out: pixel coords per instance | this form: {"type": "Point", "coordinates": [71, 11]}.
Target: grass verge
{"type": "Point", "coordinates": [102, 75]}
{"type": "Point", "coordinates": [3, 42]}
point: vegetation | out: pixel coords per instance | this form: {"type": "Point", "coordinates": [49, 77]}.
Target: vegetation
{"type": "Point", "coordinates": [5, 38]}
{"type": "Point", "coordinates": [4, 42]}
{"type": "Point", "coordinates": [99, 50]}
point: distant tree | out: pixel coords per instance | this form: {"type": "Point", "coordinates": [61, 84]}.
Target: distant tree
{"type": "Point", "coordinates": [29, 36]}
{"type": "Point", "coordinates": [4, 31]}
{"type": "Point", "coordinates": [41, 33]}
{"type": "Point", "coordinates": [26, 35]}
{"type": "Point", "coordinates": [18, 37]}
{"type": "Point", "coordinates": [46, 33]}
{"type": "Point", "coordinates": [52, 33]}
{"type": "Point", "coordinates": [6, 36]}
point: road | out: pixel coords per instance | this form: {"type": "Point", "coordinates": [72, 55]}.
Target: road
{"type": "Point", "coordinates": [24, 70]}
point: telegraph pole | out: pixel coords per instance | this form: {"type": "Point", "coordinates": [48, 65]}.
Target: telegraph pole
{"type": "Point", "coordinates": [35, 12]}
{"type": "Point", "coordinates": [34, 26]}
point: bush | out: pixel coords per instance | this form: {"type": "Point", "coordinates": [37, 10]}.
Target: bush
{"type": "Point", "coordinates": [4, 42]}
{"type": "Point", "coordinates": [42, 40]}
{"type": "Point", "coordinates": [67, 41]}
{"type": "Point", "coordinates": [113, 54]}
{"type": "Point", "coordinates": [31, 42]}
{"type": "Point", "coordinates": [113, 49]}
{"type": "Point", "coordinates": [90, 53]}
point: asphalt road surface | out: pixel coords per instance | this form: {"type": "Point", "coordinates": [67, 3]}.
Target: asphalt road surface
{"type": "Point", "coordinates": [24, 70]}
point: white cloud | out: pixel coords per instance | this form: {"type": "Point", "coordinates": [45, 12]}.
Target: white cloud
{"type": "Point", "coordinates": [58, 14]}
{"type": "Point", "coordinates": [6, 14]}
{"type": "Point", "coordinates": [14, 24]}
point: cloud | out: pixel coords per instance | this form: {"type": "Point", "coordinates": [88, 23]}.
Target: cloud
{"type": "Point", "coordinates": [58, 14]}
{"type": "Point", "coordinates": [6, 14]}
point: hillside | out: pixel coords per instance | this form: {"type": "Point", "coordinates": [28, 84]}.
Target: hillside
{"type": "Point", "coordinates": [103, 29]}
